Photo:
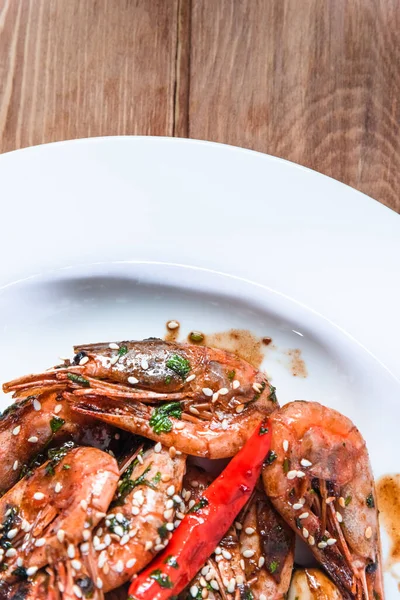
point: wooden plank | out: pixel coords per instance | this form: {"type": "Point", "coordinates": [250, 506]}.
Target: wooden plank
{"type": "Point", "coordinates": [73, 68]}
{"type": "Point", "coordinates": [313, 81]}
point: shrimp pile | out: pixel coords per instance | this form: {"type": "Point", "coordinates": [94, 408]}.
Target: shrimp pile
{"type": "Point", "coordinates": [100, 466]}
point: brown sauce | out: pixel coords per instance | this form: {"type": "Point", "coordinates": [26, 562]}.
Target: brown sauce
{"type": "Point", "coordinates": [388, 492]}
{"type": "Point", "coordinates": [297, 365]}
{"type": "Point", "coordinates": [172, 335]}
{"type": "Point", "coordinates": [241, 342]}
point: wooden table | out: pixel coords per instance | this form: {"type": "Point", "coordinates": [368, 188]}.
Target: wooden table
{"type": "Point", "coordinates": [313, 81]}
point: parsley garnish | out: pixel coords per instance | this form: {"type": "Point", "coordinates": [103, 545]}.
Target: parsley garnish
{"type": "Point", "coordinates": [114, 522]}
{"type": "Point", "coordinates": [273, 566]}
{"type": "Point", "coordinates": [231, 375]}
{"type": "Point", "coordinates": [172, 562]}
{"type": "Point", "coordinates": [271, 456]}
{"type": "Point", "coordinates": [78, 379]}
{"type": "Point", "coordinates": [162, 579]}
{"type": "Point", "coordinates": [370, 501]}
{"type": "Point", "coordinates": [159, 420]}
{"type": "Point", "coordinates": [128, 484]}
{"type": "Point", "coordinates": [272, 393]}
{"type": "Point", "coordinates": [180, 365]}
{"type": "Point", "coordinates": [122, 350]}
{"type": "Point", "coordinates": [348, 500]}
{"type": "Point", "coordinates": [168, 379]}
{"type": "Point", "coordinates": [56, 423]}
{"type": "Point", "coordinates": [200, 504]}
{"type": "Point", "coordinates": [157, 478]}
{"type": "Point", "coordinates": [162, 531]}
{"type": "Point", "coordinates": [286, 466]}
{"type": "Point", "coordinates": [263, 429]}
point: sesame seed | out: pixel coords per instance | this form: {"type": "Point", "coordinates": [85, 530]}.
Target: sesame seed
{"type": "Point", "coordinates": [300, 474]}
{"type": "Point", "coordinates": [207, 392]}
{"type": "Point", "coordinates": [240, 578]}
{"type": "Point", "coordinates": [225, 424]}
{"type": "Point", "coordinates": [305, 532]}
{"type": "Point", "coordinates": [230, 588]}
{"type": "Point", "coordinates": [144, 364]}
{"type": "Point", "coordinates": [190, 378]}
{"type": "Point", "coordinates": [99, 583]}
{"type": "Point", "coordinates": [165, 477]}
{"type": "Point", "coordinates": [297, 506]}
{"type": "Point", "coordinates": [311, 540]}
{"type": "Point", "coordinates": [168, 514]}
{"type": "Point", "coordinates": [71, 551]}
{"type": "Point", "coordinates": [86, 534]}
{"type": "Point", "coordinates": [305, 463]}
{"type": "Point", "coordinates": [194, 590]}
{"type": "Point", "coordinates": [330, 499]}
{"type": "Point", "coordinates": [218, 550]}
{"type": "Point", "coordinates": [322, 545]}
{"type": "Point", "coordinates": [285, 445]}
{"type": "Point", "coordinates": [31, 571]}
{"type": "Point", "coordinates": [331, 541]}
{"type": "Point", "coordinates": [8, 512]}
{"type": "Point", "coordinates": [20, 562]}
{"type": "Point", "coordinates": [33, 439]}
{"type": "Point", "coordinates": [248, 553]}
{"type": "Point", "coordinates": [214, 584]}
{"type": "Point", "coordinates": [169, 504]}
{"type": "Point", "coordinates": [84, 505]}
{"type": "Point", "coordinates": [292, 475]}
{"type": "Point", "coordinates": [171, 490]}
{"type": "Point", "coordinates": [257, 387]}
{"type": "Point", "coordinates": [263, 597]}
{"type": "Point", "coordinates": [124, 540]}
{"type": "Point", "coordinates": [61, 535]}
{"type": "Point", "coordinates": [140, 459]}
{"type": "Point", "coordinates": [159, 547]}
{"type": "Point", "coordinates": [132, 380]}
{"type": "Point", "coordinates": [12, 533]}
{"type": "Point", "coordinates": [58, 408]}
{"type": "Point", "coordinates": [194, 410]}
{"type": "Point", "coordinates": [40, 542]}
{"type": "Point", "coordinates": [172, 325]}
{"type": "Point", "coordinates": [11, 552]}
{"type": "Point", "coordinates": [304, 515]}
{"type": "Point", "coordinates": [339, 517]}
{"type": "Point", "coordinates": [130, 563]}
{"type": "Point", "coordinates": [58, 487]}
{"type": "Point", "coordinates": [342, 502]}
{"type": "Point", "coordinates": [235, 384]}
{"type": "Point", "coordinates": [170, 526]}
{"type": "Point", "coordinates": [15, 465]}
{"type": "Point", "coordinates": [36, 405]}
{"type": "Point", "coordinates": [107, 539]}
{"type": "Point", "coordinates": [239, 409]}
{"type": "Point", "coordinates": [215, 397]}
{"type": "Point", "coordinates": [85, 547]}
{"type": "Point", "coordinates": [120, 517]}
{"type": "Point", "coordinates": [16, 430]}
{"type": "Point", "coordinates": [83, 361]}
{"type": "Point", "coordinates": [157, 448]}
{"type": "Point", "coordinates": [238, 525]}
{"type": "Point", "coordinates": [148, 545]}
{"type": "Point", "coordinates": [368, 533]}
{"type": "Point", "coordinates": [179, 426]}
{"type": "Point", "coordinates": [135, 510]}
{"type": "Point", "coordinates": [226, 554]}
{"type": "Point", "coordinates": [61, 587]}
{"type": "Point", "coordinates": [223, 391]}
{"type": "Point", "coordinates": [114, 360]}
{"type": "Point", "coordinates": [118, 531]}
{"type": "Point", "coordinates": [249, 530]}
{"type": "Point", "coordinates": [261, 562]}
{"type": "Point", "coordinates": [102, 559]}
{"type": "Point", "coordinates": [77, 591]}
{"type": "Point", "coordinates": [76, 564]}
{"type": "Point", "coordinates": [177, 499]}
{"type": "Point", "coordinates": [113, 346]}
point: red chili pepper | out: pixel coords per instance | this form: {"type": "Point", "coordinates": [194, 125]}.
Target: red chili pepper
{"type": "Point", "coordinates": [205, 525]}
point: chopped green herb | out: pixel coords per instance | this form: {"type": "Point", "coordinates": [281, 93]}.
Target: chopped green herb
{"type": "Point", "coordinates": [66, 467]}
{"type": "Point", "coordinates": [272, 393]}
{"type": "Point", "coordinates": [128, 484]}
{"type": "Point", "coordinates": [157, 478]}
{"type": "Point", "coordinates": [86, 585]}
{"type": "Point", "coordinates": [271, 456]}
{"type": "Point", "coordinates": [78, 379]}
{"type": "Point", "coordinates": [348, 500]}
{"type": "Point", "coordinates": [231, 375]}
{"type": "Point", "coordinates": [3, 567]}
{"type": "Point", "coordinates": [162, 579]}
{"type": "Point", "coordinates": [20, 572]}
{"type": "Point", "coordinates": [263, 429]}
{"type": "Point", "coordinates": [168, 379]}
{"type": "Point", "coordinates": [196, 336]}
{"type": "Point", "coordinates": [159, 419]}
{"type": "Point", "coordinates": [122, 522]}
{"type": "Point", "coordinates": [172, 562]}
{"type": "Point", "coordinates": [180, 365]}
{"type": "Point", "coordinates": [122, 350]}
{"type": "Point", "coordinates": [200, 504]}
{"type": "Point", "coordinates": [273, 566]}
{"type": "Point", "coordinates": [286, 466]}
{"type": "Point", "coordinates": [56, 423]}
{"type": "Point", "coordinates": [162, 531]}
{"type": "Point", "coordinates": [370, 501]}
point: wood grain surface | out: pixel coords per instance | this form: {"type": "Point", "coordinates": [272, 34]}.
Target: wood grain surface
{"type": "Point", "coordinates": [313, 81]}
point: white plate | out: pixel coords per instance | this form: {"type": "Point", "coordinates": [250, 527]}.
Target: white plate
{"type": "Point", "coordinates": [294, 233]}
